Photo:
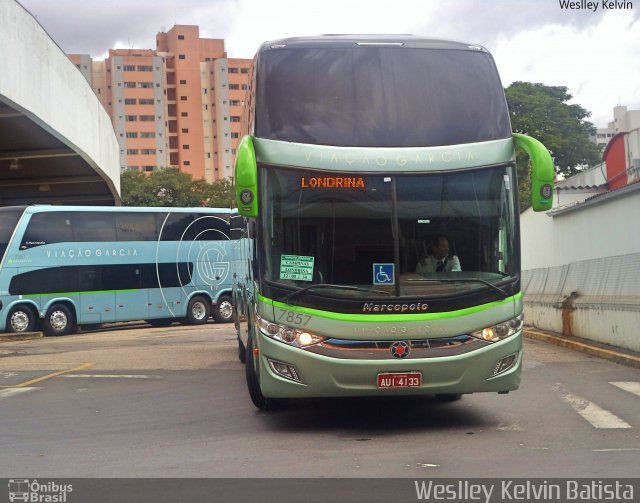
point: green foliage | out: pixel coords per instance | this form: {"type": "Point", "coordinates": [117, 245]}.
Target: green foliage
{"type": "Point", "coordinates": [543, 112]}
{"type": "Point", "coordinates": [171, 187]}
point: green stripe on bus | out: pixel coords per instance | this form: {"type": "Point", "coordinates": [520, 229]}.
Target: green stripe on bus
{"type": "Point", "coordinates": [376, 318]}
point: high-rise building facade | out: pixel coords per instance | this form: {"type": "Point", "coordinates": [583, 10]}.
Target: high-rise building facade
{"type": "Point", "coordinates": [624, 121]}
{"type": "Point", "coordinates": [179, 105]}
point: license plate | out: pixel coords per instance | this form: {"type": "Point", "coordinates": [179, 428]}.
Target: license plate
{"type": "Point", "coordinates": [399, 380]}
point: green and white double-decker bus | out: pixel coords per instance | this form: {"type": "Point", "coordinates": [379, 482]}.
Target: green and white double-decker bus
{"type": "Point", "coordinates": [64, 266]}
{"type": "Point", "coordinates": [359, 151]}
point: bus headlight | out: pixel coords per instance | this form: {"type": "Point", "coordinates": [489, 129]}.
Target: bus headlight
{"type": "Point", "coordinates": [289, 335]}
{"type": "Point", "coordinates": [500, 331]}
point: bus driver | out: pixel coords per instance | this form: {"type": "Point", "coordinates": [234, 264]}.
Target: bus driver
{"type": "Point", "coordinates": [439, 260]}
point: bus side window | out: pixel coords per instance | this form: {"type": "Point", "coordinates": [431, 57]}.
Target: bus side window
{"type": "Point", "coordinates": [210, 228]}
{"type": "Point", "coordinates": [238, 227]}
{"type": "Point", "coordinates": [136, 227]}
{"type": "Point", "coordinates": [93, 226]}
{"type": "Point", "coordinates": [175, 226]}
{"type": "Point", "coordinates": [89, 279]}
{"type": "Point", "coordinates": [47, 228]}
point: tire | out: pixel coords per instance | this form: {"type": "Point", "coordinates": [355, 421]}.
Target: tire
{"type": "Point", "coordinates": [223, 310]}
{"type": "Point", "coordinates": [21, 319]}
{"type": "Point", "coordinates": [198, 310]}
{"type": "Point", "coordinates": [252, 369]}
{"type": "Point", "coordinates": [242, 352]}
{"type": "Point", "coordinates": [59, 320]}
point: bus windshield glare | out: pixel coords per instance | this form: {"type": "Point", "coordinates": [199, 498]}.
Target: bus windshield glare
{"type": "Point", "coordinates": [379, 97]}
{"type": "Point", "coordinates": [332, 229]}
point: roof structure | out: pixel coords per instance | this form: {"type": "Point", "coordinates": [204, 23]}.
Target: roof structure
{"type": "Point", "coordinates": [57, 143]}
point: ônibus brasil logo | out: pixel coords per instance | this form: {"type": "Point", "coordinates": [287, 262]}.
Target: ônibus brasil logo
{"type": "Point", "coordinates": [38, 492]}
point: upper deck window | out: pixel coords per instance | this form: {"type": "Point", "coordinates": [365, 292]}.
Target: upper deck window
{"type": "Point", "coordinates": [379, 97]}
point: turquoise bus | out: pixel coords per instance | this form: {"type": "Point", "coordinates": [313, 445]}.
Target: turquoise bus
{"type": "Point", "coordinates": [357, 152]}
{"type": "Point", "coordinates": [64, 266]}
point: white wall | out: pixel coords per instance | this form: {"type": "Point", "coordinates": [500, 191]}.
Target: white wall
{"type": "Point", "coordinates": [606, 229]}
{"type": "Point", "coordinates": [581, 269]}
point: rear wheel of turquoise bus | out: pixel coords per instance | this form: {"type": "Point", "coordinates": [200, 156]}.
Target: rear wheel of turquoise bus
{"type": "Point", "coordinates": [198, 310]}
{"type": "Point", "coordinates": [59, 320]}
{"type": "Point", "coordinates": [21, 319]}
{"type": "Point", "coordinates": [223, 310]}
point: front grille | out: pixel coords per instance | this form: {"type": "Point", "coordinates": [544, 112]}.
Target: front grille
{"type": "Point", "coordinates": [381, 350]}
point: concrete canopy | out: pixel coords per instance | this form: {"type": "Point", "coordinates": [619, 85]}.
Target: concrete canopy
{"type": "Point", "coordinates": [57, 144]}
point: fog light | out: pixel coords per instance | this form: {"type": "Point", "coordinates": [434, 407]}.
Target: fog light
{"type": "Point", "coordinates": [285, 370]}
{"type": "Point", "coordinates": [505, 364]}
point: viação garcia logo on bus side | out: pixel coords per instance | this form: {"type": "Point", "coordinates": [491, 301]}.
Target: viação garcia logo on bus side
{"type": "Point", "coordinates": [73, 253]}
{"type": "Point", "coordinates": [417, 159]}
{"type": "Point", "coordinates": [211, 266]}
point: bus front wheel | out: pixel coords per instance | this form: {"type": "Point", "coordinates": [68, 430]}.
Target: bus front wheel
{"type": "Point", "coordinates": [59, 320]}
{"type": "Point", "coordinates": [223, 310]}
{"type": "Point", "coordinates": [198, 311]}
{"type": "Point", "coordinates": [252, 367]}
{"type": "Point", "coordinates": [21, 319]}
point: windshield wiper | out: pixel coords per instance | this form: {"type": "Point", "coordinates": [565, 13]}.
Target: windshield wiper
{"type": "Point", "coordinates": [503, 293]}
{"type": "Point", "coordinates": [288, 297]}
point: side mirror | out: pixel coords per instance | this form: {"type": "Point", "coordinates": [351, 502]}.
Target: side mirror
{"type": "Point", "coordinates": [246, 178]}
{"type": "Point", "coordinates": [542, 171]}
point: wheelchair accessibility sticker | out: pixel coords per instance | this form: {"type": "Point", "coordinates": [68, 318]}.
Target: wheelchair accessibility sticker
{"type": "Point", "coordinates": [383, 274]}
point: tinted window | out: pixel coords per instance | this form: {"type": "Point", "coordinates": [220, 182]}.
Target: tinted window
{"type": "Point", "coordinates": [175, 226]}
{"type": "Point", "coordinates": [238, 227]}
{"type": "Point", "coordinates": [379, 97]}
{"type": "Point", "coordinates": [94, 226]}
{"type": "Point", "coordinates": [47, 228]}
{"type": "Point", "coordinates": [208, 228]}
{"type": "Point", "coordinates": [195, 227]}
{"type": "Point", "coordinates": [136, 227]}
{"type": "Point", "coordinates": [101, 277]}
{"type": "Point", "coordinates": [8, 220]}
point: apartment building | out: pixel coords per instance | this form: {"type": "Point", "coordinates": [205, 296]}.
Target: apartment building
{"type": "Point", "coordinates": [178, 105]}
{"type": "Point", "coordinates": [624, 121]}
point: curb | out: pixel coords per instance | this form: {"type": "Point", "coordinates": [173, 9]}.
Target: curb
{"type": "Point", "coordinates": [604, 351]}
{"type": "Point", "coordinates": [20, 337]}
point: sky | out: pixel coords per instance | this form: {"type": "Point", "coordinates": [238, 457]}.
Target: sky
{"type": "Point", "coordinates": [595, 53]}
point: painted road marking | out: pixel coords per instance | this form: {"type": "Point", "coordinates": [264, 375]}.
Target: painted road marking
{"type": "Point", "coordinates": [113, 376]}
{"type": "Point", "coordinates": [623, 449]}
{"type": "Point", "coordinates": [597, 416]}
{"type": "Point", "coordinates": [52, 374]}
{"type": "Point", "coordinates": [9, 392]}
{"type": "Point", "coordinates": [630, 386]}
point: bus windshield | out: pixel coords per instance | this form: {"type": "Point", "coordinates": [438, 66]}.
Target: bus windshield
{"type": "Point", "coordinates": [379, 97]}
{"type": "Point", "coordinates": [331, 229]}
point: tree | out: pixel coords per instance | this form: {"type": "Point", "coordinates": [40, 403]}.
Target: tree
{"type": "Point", "coordinates": [220, 194]}
{"type": "Point", "coordinates": [543, 112]}
{"type": "Point", "coordinates": [171, 187]}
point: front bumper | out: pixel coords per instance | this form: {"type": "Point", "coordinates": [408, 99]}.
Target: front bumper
{"type": "Point", "coordinates": [330, 376]}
